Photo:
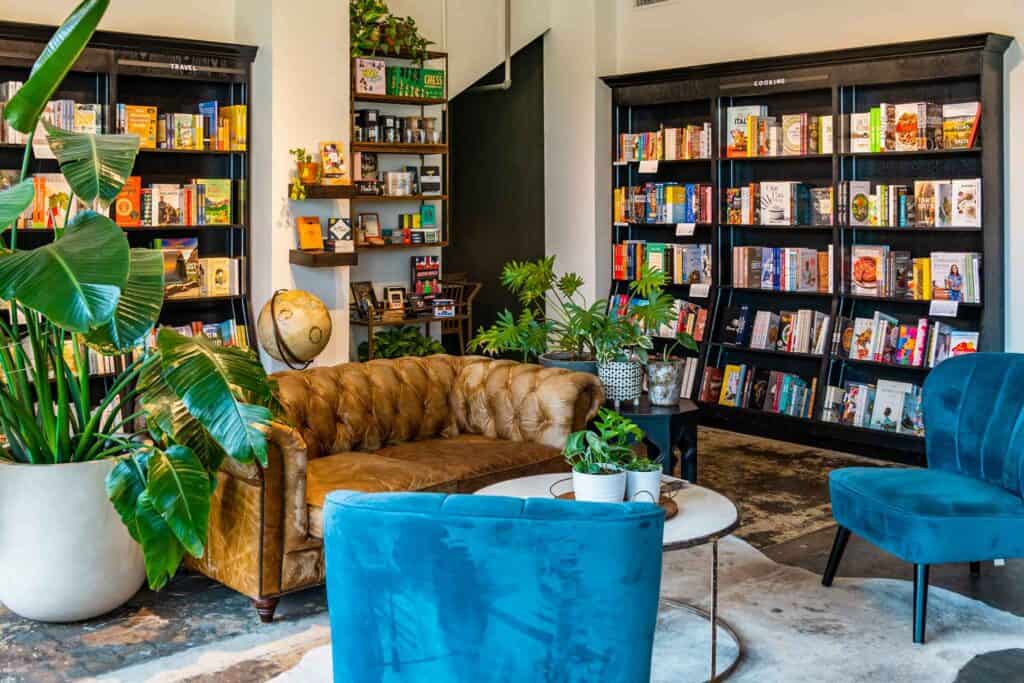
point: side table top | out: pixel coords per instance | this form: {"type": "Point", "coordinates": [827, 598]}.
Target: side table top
{"type": "Point", "coordinates": [644, 407]}
{"type": "Point", "coordinates": [704, 515]}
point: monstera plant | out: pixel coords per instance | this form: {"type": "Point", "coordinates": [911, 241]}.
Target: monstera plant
{"type": "Point", "coordinates": [153, 441]}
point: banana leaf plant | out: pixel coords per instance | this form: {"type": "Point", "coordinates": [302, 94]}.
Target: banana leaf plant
{"type": "Point", "coordinates": [179, 407]}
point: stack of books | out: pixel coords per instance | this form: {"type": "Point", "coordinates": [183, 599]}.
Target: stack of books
{"type": "Point", "coordinates": [667, 144]}
{"type": "Point", "coordinates": [188, 276]}
{"type": "Point", "coordinates": [912, 127]}
{"type": "Point", "coordinates": [747, 386]}
{"type": "Point", "coordinates": [210, 127]}
{"type": "Point", "coordinates": [663, 203]}
{"type": "Point", "coordinates": [683, 264]}
{"type": "Point", "coordinates": [926, 204]}
{"type": "Point", "coordinates": [225, 333]}
{"type": "Point", "coordinates": [878, 271]}
{"type": "Point", "coordinates": [801, 331]}
{"type": "Point", "coordinates": [204, 201]}
{"type": "Point", "coordinates": [753, 133]}
{"type": "Point", "coordinates": [883, 338]}
{"type": "Point", "coordinates": [778, 203]}
{"type": "Point", "coordinates": [888, 406]}
{"type": "Point", "coordinates": [789, 269]}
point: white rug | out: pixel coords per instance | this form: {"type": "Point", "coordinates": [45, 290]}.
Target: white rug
{"type": "Point", "coordinates": [794, 629]}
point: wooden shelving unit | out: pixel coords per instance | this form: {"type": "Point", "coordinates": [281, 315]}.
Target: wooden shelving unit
{"type": "Point", "coordinates": [322, 259]}
{"type": "Point", "coordinates": [945, 70]}
{"type": "Point", "coordinates": [174, 75]}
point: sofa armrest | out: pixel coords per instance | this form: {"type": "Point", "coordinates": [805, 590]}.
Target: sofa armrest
{"type": "Point", "coordinates": [523, 402]}
{"type": "Point", "coordinates": [287, 456]}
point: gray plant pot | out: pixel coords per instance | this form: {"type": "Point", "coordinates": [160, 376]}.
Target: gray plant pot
{"type": "Point", "coordinates": [664, 382]}
{"type": "Point", "coordinates": [560, 359]}
{"type": "Point", "coordinates": [622, 380]}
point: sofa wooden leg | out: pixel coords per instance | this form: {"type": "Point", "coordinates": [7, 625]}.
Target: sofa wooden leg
{"type": "Point", "coordinates": [838, 547]}
{"type": "Point", "coordinates": [920, 601]}
{"type": "Point", "coordinates": [265, 608]}
{"type": "Point", "coordinates": [975, 569]}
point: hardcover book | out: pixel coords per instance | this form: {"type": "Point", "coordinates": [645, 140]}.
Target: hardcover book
{"type": "Point", "coordinates": [370, 76]}
{"type": "Point", "coordinates": [960, 124]}
{"type": "Point", "coordinates": [332, 164]}
{"type": "Point", "coordinates": [216, 200]}
{"type": "Point", "coordinates": [966, 200]}
{"type": "Point", "coordinates": [860, 133]}
{"type": "Point", "coordinates": [736, 143]}
{"type": "Point", "coordinates": [859, 210]}
{"type": "Point", "coordinates": [311, 236]}
{"type": "Point", "coordinates": [792, 134]}
{"type": "Point", "coordinates": [182, 272]}
{"type": "Point", "coordinates": [128, 203]}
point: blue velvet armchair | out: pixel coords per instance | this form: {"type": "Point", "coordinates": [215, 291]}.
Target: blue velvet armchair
{"type": "Point", "coordinates": [452, 588]}
{"type": "Point", "coordinates": [966, 506]}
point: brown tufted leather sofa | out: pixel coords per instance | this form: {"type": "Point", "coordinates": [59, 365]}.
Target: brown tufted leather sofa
{"type": "Point", "coordinates": [440, 423]}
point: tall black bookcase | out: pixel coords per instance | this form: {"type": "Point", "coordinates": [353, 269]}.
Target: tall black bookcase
{"type": "Point", "coordinates": [174, 75]}
{"type": "Point", "coordinates": [945, 70]}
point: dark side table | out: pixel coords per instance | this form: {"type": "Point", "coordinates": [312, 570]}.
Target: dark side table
{"type": "Point", "coordinates": [665, 427]}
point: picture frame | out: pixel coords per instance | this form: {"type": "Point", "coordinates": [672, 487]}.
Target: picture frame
{"type": "Point", "coordinates": [395, 298]}
{"type": "Point", "coordinates": [364, 298]}
{"type": "Point", "coordinates": [369, 228]}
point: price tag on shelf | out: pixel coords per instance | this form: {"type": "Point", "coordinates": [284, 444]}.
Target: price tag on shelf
{"type": "Point", "coordinates": [685, 229]}
{"type": "Point", "coordinates": [942, 308]}
{"type": "Point", "coordinates": [700, 290]}
{"type": "Point", "coordinates": [649, 166]}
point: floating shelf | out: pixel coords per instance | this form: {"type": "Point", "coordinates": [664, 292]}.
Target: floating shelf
{"type": "Point", "coordinates": [400, 198]}
{"type": "Point", "coordinates": [399, 99]}
{"type": "Point", "coordinates": [322, 259]}
{"type": "Point", "coordinates": [386, 247]}
{"type": "Point", "coordinates": [395, 148]}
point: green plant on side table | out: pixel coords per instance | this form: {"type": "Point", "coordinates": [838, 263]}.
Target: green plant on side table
{"type": "Point", "coordinates": [396, 342]}
{"type": "Point", "coordinates": [598, 457]}
{"type": "Point", "coordinates": [64, 554]}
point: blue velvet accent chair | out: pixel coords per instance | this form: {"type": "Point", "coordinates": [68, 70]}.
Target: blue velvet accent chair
{"type": "Point", "coordinates": [455, 588]}
{"type": "Point", "coordinates": [966, 506]}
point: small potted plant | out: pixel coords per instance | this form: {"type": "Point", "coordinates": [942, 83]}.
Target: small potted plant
{"type": "Point", "coordinates": [665, 376]}
{"type": "Point", "coordinates": [307, 170]}
{"type": "Point", "coordinates": [643, 480]}
{"type": "Point", "coordinates": [597, 457]}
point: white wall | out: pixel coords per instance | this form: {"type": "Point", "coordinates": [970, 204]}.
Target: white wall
{"type": "Point", "coordinates": [683, 33]}
{"type": "Point", "coordinates": [200, 19]}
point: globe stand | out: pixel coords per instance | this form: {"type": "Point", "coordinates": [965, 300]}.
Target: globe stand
{"type": "Point", "coordinates": [287, 355]}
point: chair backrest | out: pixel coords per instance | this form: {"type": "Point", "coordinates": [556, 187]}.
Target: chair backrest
{"type": "Point", "coordinates": [435, 587]}
{"type": "Point", "coordinates": [974, 418]}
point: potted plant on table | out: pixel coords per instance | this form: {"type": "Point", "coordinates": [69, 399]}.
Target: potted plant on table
{"type": "Point", "coordinates": [72, 462]}
{"type": "Point", "coordinates": [665, 376]}
{"type": "Point", "coordinates": [597, 457]}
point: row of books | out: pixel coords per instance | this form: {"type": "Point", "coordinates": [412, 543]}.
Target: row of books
{"type": "Point", "coordinates": [667, 144]}
{"type": "Point", "coordinates": [928, 203]}
{"type": "Point", "coordinates": [211, 127]}
{"type": "Point", "coordinates": [682, 263]}
{"type": "Point", "coordinates": [753, 133]}
{"type": "Point", "coordinates": [884, 339]}
{"type": "Point", "coordinates": [778, 203]}
{"type": "Point", "coordinates": [225, 333]}
{"type": "Point", "coordinates": [801, 331]}
{"type": "Point", "coordinates": [204, 201]}
{"type": "Point", "coordinates": [888, 406]}
{"type": "Point", "coordinates": [747, 386]}
{"type": "Point", "coordinates": [663, 203]}
{"type": "Point", "coordinates": [690, 317]}
{"type": "Point", "coordinates": [188, 276]}
{"type": "Point", "coordinates": [789, 269]}
{"type": "Point", "coordinates": [877, 270]}
{"type": "Point", "coordinates": [914, 126]}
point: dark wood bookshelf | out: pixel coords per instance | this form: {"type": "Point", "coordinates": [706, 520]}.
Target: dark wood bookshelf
{"type": "Point", "coordinates": [174, 75]}
{"type": "Point", "coordinates": [400, 99]}
{"type": "Point", "coordinates": [836, 82]}
{"type": "Point", "coordinates": [773, 352]}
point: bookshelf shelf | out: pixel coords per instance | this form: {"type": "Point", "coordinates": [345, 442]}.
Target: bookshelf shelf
{"type": "Point", "coordinates": [701, 160]}
{"type": "Point", "coordinates": [400, 99]}
{"type": "Point", "coordinates": [390, 247]}
{"type": "Point", "coordinates": [400, 198]}
{"type": "Point", "coordinates": [944, 71]}
{"type": "Point", "coordinates": [197, 152]}
{"type": "Point", "coordinates": [394, 148]}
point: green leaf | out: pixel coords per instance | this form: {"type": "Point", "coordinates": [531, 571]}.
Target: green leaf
{"type": "Point", "coordinates": [179, 488]}
{"type": "Point", "coordinates": [75, 281]}
{"type": "Point", "coordinates": [161, 549]}
{"type": "Point", "coordinates": [125, 484]}
{"type": "Point", "coordinates": [53, 64]}
{"type": "Point", "coordinates": [137, 309]}
{"type": "Point", "coordinates": [94, 165]}
{"type": "Point", "coordinates": [14, 200]}
{"type": "Point", "coordinates": [215, 383]}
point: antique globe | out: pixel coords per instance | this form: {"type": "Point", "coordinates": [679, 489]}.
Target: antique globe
{"type": "Point", "coordinates": [294, 327]}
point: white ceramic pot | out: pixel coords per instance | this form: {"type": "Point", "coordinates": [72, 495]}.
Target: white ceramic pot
{"type": "Point", "coordinates": [65, 555]}
{"type": "Point", "coordinates": [643, 487]}
{"type": "Point", "coordinates": [599, 488]}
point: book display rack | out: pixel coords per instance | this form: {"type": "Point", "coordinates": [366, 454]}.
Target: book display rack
{"type": "Point", "coordinates": [170, 78]}
{"type": "Point", "coordinates": [851, 202]}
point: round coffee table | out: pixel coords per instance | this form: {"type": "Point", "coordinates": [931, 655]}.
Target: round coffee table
{"type": "Point", "coordinates": [704, 517]}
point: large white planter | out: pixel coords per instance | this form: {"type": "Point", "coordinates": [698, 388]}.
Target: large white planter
{"type": "Point", "coordinates": [65, 555]}
{"type": "Point", "coordinates": [599, 488]}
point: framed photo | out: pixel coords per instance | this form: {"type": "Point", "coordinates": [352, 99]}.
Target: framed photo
{"type": "Point", "coordinates": [364, 298]}
{"type": "Point", "coordinates": [369, 228]}
{"type": "Point", "coordinates": [395, 298]}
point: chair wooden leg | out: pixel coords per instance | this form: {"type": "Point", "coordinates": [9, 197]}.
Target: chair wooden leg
{"type": "Point", "coordinates": [838, 547]}
{"type": "Point", "coordinates": [265, 607]}
{"type": "Point", "coordinates": [920, 601]}
{"type": "Point", "coordinates": [975, 569]}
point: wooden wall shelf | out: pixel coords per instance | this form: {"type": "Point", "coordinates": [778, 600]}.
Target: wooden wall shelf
{"type": "Point", "coordinates": [322, 259]}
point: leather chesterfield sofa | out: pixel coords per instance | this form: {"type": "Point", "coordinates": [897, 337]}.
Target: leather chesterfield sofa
{"type": "Point", "coordinates": [442, 423]}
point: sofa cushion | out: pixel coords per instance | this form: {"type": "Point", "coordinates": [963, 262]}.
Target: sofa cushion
{"type": "Point", "coordinates": [928, 516]}
{"type": "Point", "coordinates": [462, 464]}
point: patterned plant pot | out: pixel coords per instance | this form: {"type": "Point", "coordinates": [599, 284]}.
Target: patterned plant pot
{"type": "Point", "coordinates": [664, 382]}
{"type": "Point", "coordinates": [622, 380]}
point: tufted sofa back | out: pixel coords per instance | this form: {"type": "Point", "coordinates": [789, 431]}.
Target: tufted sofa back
{"type": "Point", "coordinates": [365, 406]}
{"type": "Point", "coordinates": [974, 418]}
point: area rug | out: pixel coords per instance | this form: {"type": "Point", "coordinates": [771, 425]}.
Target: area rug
{"type": "Point", "coordinates": [794, 630]}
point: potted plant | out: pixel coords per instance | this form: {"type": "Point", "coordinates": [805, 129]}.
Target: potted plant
{"type": "Point", "coordinates": [306, 170]}
{"type": "Point", "coordinates": [396, 342]}
{"type": "Point", "coordinates": [665, 376]}
{"type": "Point", "coordinates": [73, 461]}
{"type": "Point", "coordinates": [374, 29]}
{"type": "Point", "coordinates": [597, 457]}
{"type": "Point", "coordinates": [643, 480]}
